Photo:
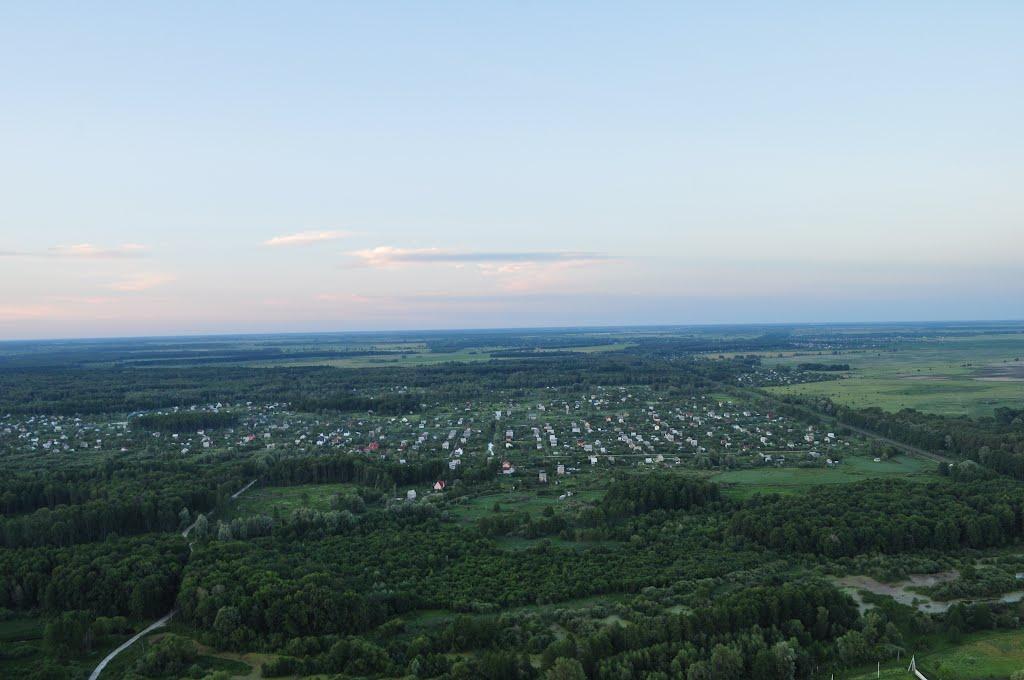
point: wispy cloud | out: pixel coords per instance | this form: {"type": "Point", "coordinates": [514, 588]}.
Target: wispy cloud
{"type": "Point", "coordinates": [305, 238]}
{"type": "Point", "coordinates": [20, 312]}
{"type": "Point", "coordinates": [86, 251]}
{"type": "Point", "coordinates": [389, 257]}
{"type": "Point", "coordinates": [90, 251]}
{"type": "Point", "coordinates": [140, 282]}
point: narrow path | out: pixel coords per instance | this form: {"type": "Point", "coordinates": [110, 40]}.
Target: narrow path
{"type": "Point", "coordinates": [242, 490]}
{"type": "Point", "coordinates": [161, 622]}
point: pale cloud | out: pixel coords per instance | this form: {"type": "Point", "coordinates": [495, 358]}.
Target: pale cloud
{"type": "Point", "coordinates": [342, 297]}
{"type": "Point", "coordinates": [304, 238]}
{"type": "Point", "coordinates": [391, 257]}
{"type": "Point", "coordinates": [26, 312]}
{"type": "Point", "coordinates": [90, 251]}
{"type": "Point", "coordinates": [140, 282]}
{"type": "Point", "coordinates": [87, 251]}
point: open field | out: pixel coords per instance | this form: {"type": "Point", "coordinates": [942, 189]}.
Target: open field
{"type": "Point", "coordinates": [978, 656]}
{"type": "Point", "coordinates": [742, 483]}
{"type": "Point", "coordinates": [532, 503]}
{"type": "Point", "coordinates": [283, 499]}
{"type": "Point", "coordinates": [952, 376]}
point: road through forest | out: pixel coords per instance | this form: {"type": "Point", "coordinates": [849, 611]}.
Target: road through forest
{"type": "Point", "coordinates": [162, 621]}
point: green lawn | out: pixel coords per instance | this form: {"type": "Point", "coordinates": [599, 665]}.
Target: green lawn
{"type": "Point", "coordinates": [743, 483]}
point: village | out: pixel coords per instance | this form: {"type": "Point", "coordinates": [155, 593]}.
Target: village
{"type": "Point", "coordinates": [548, 435]}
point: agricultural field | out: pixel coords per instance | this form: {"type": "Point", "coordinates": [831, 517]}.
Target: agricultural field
{"type": "Point", "coordinates": [946, 375]}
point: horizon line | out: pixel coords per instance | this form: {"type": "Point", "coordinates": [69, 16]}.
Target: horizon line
{"type": "Point", "coordinates": [512, 329]}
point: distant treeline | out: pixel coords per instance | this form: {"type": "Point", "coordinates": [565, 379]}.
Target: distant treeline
{"type": "Point", "coordinates": [526, 353]}
{"type": "Point", "coordinates": [184, 421]}
{"type": "Point", "coordinates": [67, 391]}
{"type": "Point", "coordinates": [388, 405]}
{"type": "Point", "coordinates": [180, 359]}
{"type": "Point", "coordinates": [823, 367]}
{"type": "Point", "coordinates": [540, 340]}
{"type": "Point", "coordinates": [674, 345]}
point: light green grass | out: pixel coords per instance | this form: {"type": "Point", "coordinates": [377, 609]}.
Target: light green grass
{"type": "Point", "coordinates": [483, 506]}
{"type": "Point", "coordinates": [743, 483]}
{"type": "Point", "coordinates": [951, 377]}
{"type": "Point", "coordinates": [264, 500]}
{"type": "Point", "coordinates": [978, 656]}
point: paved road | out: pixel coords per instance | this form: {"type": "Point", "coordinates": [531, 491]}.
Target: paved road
{"type": "Point", "coordinates": [159, 623]}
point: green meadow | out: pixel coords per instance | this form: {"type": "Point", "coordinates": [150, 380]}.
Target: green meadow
{"type": "Point", "coordinates": [743, 483]}
{"type": "Point", "coordinates": [950, 376]}
{"type": "Point", "coordinates": [979, 656]}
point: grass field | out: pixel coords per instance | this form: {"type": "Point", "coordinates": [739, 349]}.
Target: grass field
{"type": "Point", "coordinates": [978, 656]}
{"type": "Point", "coordinates": [743, 483]}
{"type": "Point", "coordinates": [209, 661]}
{"type": "Point", "coordinates": [952, 376]}
{"type": "Point", "coordinates": [284, 499]}
{"type": "Point", "coordinates": [22, 653]}
{"type": "Point", "coordinates": [483, 506]}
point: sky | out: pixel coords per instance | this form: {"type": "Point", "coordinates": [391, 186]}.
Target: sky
{"type": "Point", "coordinates": [187, 167]}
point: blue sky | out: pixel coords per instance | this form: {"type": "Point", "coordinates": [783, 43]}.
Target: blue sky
{"type": "Point", "coordinates": [204, 167]}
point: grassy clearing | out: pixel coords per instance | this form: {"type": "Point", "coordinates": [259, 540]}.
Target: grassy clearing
{"type": "Point", "coordinates": [952, 376]}
{"type": "Point", "coordinates": [284, 499]}
{"type": "Point", "coordinates": [21, 629]}
{"type": "Point", "coordinates": [532, 503]}
{"type": "Point", "coordinates": [978, 656]}
{"type": "Point", "coordinates": [22, 652]}
{"type": "Point", "coordinates": [744, 483]}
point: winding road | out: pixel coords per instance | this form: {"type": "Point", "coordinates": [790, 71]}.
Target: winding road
{"type": "Point", "coordinates": [159, 623]}
{"type": "Point", "coordinates": [162, 621]}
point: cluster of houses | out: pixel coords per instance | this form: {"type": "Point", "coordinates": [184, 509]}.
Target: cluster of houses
{"type": "Point", "coordinates": [60, 434]}
{"type": "Point", "coordinates": [553, 434]}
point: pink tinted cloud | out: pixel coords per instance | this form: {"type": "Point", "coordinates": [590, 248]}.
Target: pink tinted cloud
{"type": "Point", "coordinates": [25, 312]}
{"type": "Point", "coordinates": [85, 251]}
{"type": "Point", "coordinates": [90, 251]}
{"type": "Point", "coordinates": [305, 238]}
{"type": "Point", "coordinates": [391, 257]}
